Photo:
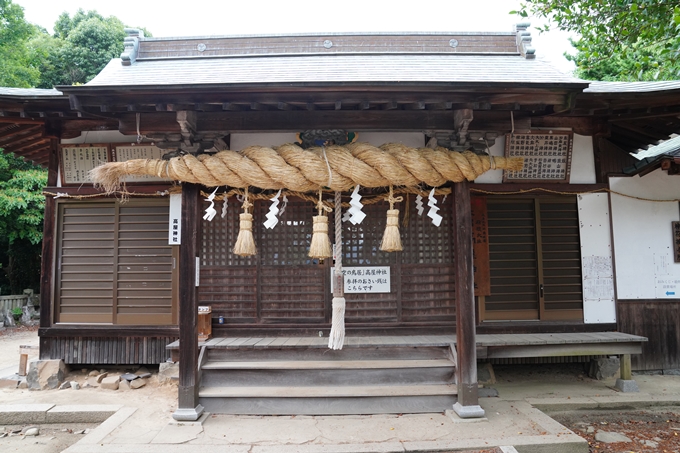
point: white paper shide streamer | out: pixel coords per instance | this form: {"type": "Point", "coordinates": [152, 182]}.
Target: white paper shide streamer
{"type": "Point", "coordinates": [433, 212]}
{"type": "Point", "coordinates": [210, 212]}
{"type": "Point", "coordinates": [419, 205]}
{"type": "Point", "coordinates": [355, 214]}
{"type": "Point", "coordinates": [272, 218]}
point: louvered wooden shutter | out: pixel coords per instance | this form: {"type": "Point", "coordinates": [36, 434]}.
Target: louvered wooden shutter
{"type": "Point", "coordinates": [534, 260]}
{"type": "Point", "coordinates": [115, 264]}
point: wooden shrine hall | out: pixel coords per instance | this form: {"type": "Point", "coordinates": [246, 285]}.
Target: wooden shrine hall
{"type": "Point", "coordinates": [362, 217]}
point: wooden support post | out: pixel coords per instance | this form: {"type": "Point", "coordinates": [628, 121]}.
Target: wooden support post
{"type": "Point", "coordinates": [625, 367]}
{"type": "Point", "coordinates": [48, 258]}
{"type": "Point", "coordinates": [188, 408]}
{"type": "Point", "coordinates": [23, 362]}
{"type": "Point", "coordinates": [466, 366]}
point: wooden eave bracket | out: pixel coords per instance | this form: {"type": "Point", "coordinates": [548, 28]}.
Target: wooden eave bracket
{"type": "Point", "coordinates": [461, 122]}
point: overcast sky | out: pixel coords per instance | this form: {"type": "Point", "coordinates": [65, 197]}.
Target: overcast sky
{"type": "Point", "coordinates": [228, 17]}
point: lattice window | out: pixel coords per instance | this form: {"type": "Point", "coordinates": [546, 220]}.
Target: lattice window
{"type": "Point", "coordinates": [219, 237]}
{"type": "Point", "coordinates": [287, 244]}
{"type": "Point", "coordinates": [424, 242]}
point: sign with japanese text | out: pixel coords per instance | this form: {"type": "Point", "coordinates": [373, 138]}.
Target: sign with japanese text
{"type": "Point", "coordinates": [480, 247]}
{"type": "Point", "coordinates": [78, 160]}
{"type": "Point", "coordinates": [122, 153]}
{"type": "Point", "coordinates": [175, 219]}
{"type": "Point", "coordinates": [676, 241]}
{"type": "Point", "coordinates": [365, 279]}
{"type": "Point", "coordinates": [547, 156]}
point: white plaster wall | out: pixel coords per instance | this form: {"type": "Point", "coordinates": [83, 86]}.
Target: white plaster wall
{"type": "Point", "coordinates": [596, 258]}
{"type": "Point", "coordinates": [643, 242]}
{"type": "Point", "coordinates": [582, 162]}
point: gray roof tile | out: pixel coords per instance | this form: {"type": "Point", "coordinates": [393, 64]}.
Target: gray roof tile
{"type": "Point", "coordinates": [407, 68]}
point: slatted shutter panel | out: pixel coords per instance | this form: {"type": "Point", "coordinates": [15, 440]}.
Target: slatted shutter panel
{"type": "Point", "coordinates": [115, 265]}
{"type": "Point", "coordinates": [534, 259]}
{"type": "Point", "coordinates": [85, 269]}
{"type": "Point", "coordinates": [561, 259]}
{"type": "Point", "coordinates": [145, 265]}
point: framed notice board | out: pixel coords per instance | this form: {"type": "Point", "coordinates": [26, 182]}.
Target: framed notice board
{"type": "Point", "coordinates": [77, 161]}
{"type": "Point", "coordinates": [547, 156]}
{"type": "Point", "coordinates": [123, 152]}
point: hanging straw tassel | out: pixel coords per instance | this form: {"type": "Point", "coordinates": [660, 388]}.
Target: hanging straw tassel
{"type": "Point", "coordinates": [391, 241]}
{"type": "Point", "coordinates": [336, 339]}
{"type": "Point", "coordinates": [245, 243]}
{"type": "Point", "coordinates": [321, 246]}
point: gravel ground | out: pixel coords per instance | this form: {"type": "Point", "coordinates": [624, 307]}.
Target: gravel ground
{"type": "Point", "coordinates": [653, 430]}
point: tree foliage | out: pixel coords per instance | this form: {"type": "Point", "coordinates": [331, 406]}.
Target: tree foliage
{"type": "Point", "coordinates": [618, 35]}
{"type": "Point", "coordinates": [81, 46]}
{"type": "Point", "coordinates": [22, 205]}
{"type": "Point", "coordinates": [15, 68]}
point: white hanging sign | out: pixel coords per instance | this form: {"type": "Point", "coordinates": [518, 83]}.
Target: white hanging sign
{"type": "Point", "coordinates": [365, 279]}
{"type": "Point", "coordinates": [175, 219]}
{"type": "Point", "coordinates": [272, 218]}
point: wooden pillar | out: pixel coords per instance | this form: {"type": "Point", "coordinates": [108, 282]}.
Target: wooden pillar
{"type": "Point", "coordinates": [466, 366]}
{"type": "Point", "coordinates": [47, 263]}
{"type": "Point", "coordinates": [188, 408]}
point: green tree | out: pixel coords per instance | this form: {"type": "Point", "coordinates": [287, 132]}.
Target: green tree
{"type": "Point", "coordinates": [15, 67]}
{"type": "Point", "coordinates": [22, 205]}
{"type": "Point", "coordinates": [644, 33]}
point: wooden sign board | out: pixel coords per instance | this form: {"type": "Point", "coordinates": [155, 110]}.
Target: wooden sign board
{"type": "Point", "coordinates": [77, 161]}
{"type": "Point", "coordinates": [480, 247]}
{"type": "Point", "coordinates": [547, 156]}
{"type": "Point", "coordinates": [122, 153]}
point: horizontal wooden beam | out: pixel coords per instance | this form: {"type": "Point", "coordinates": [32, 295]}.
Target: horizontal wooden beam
{"type": "Point", "coordinates": [580, 125]}
{"type": "Point", "coordinates": [417, 120]}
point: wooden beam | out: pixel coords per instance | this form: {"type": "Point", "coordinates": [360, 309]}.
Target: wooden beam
{"type": "Point", "coordinates": [461, 121]}
{"type": "Point", "coordinates": [280, 121]}
{"type": "Point", "coordinates": [48, 257]}
{"type": "Point", "coordinates": [581, 125]}
{"type": "Point", "coordinates": [466, 367]}
{"type": "Point", "coordinates": [188, 406]}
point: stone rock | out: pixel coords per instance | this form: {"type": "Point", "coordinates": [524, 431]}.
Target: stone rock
{"type": "Point", "coordinates": [23, 384]}
{"type": "Point", "coordinates": [101, 376]}
{"type": "Point", "coordinates": [142, 370]}
{"type": "Point", "coordinates": [137, 383]}
{"type": "Point", "coordinates": [75, 385]}
{"type": "Point", "coordinates": [7, 318]}
{"type": "Point", "coordinates": [610, 437]}
{"type": "Point", "coordinates": [27, 315]}
{"type": "Point", "coordinates": [32, 432]}
{"type": "Point", "coordinates": [626, 386]}
{"type": "Point", "coordinates": [129, 376]}
{"type": "Point", "coordinates": [485, 374]}
{"type": "Point", "coordinates": [604, 368]}
{"type": "Point", "coordinates": [124, 384]}
{"type": "Point", "coordinates": [590, 430]}
{"type": "Point", "coordinates": [10, 382]}
{"type": "Point", "coordinates": [93, 373]}
{"type": "Point", "coordinates": [26, 428]}
{"type": "Point", "coordinates": [144, 375]}
{"type": "Point", "coordinates": [45, 374]}
{"type": "Point", "coordinates": [673, 372]}
{"type": "Point", "coordinates": [110, 383]}
{"type": "Point", "coordinates": [649, 443]}
{"type": "Point", "coordinates": [65, 385]}
{"type": "Point", "coordinates": [92, 382]}
{"type": "Point", "coordinates": [168, 372]}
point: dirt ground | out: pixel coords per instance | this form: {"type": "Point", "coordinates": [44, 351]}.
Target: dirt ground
{"type": "Point", "coordinates": [153, 400]}
{"type": "Point", "coordinates": [653, 430]}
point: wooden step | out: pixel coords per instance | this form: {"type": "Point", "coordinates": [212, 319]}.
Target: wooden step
{"type": "Point", "coordinates": [328, 392]}
{"type": "Point", "coordinates": [326, 364]}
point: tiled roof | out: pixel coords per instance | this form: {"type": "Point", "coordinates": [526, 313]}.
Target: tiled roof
{"type": "Point", "coordinates": [632, 87]}
{"type": "Point", "coordinates": [367, 68]}
{"type": "Point", "coordinates": [27, 92]}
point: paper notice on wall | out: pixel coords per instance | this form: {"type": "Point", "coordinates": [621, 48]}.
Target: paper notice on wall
{"type": "Point", "coordinates": [661, 264]}
{"type": "Point", "coordinates": [667, 288]}
{"type": "Point", "coordinates": [598, 278]}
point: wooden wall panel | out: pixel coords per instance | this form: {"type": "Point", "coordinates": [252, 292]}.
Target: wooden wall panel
{"type": "Point", "coordinates": [658, 321]}
{"type": "Point", "coordinates": [108, 351]}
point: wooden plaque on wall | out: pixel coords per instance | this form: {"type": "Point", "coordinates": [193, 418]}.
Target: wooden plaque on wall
{"type": "Point", "coordinates": [123, 152]}
{"type": "Point", "coordinates": [76, 161]}
{"type": "Point", "coordinates": [547, 156]}
{"type": "Point", "coordinates": [480, 247]}
{"type": "Point", "coordinates": [676, 241]}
